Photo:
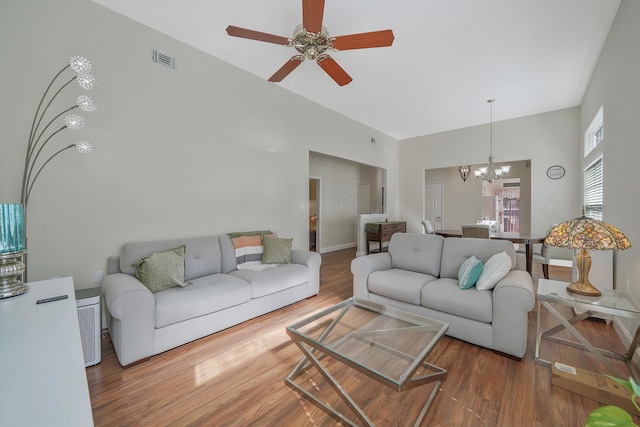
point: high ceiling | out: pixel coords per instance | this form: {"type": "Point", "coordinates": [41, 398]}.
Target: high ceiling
{"type": "Point", "coordinates": [447, 59]}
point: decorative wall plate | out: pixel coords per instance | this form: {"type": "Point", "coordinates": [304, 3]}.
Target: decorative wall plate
{"type": "Point", "coordinates": [555, 172]}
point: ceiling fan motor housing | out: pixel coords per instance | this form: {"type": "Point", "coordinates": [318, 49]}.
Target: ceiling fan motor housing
{"type": "Point", "coordinates": [311, 45]}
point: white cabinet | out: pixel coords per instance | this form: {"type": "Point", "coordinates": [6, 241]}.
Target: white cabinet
{"type": "Point", "coordinates": [42, 374]}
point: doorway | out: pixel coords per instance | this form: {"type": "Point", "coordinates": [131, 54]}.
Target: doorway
{"type": "Point", "coordinates": [433, 204]}
{"type": "Point", "coordinates": [314, 217]}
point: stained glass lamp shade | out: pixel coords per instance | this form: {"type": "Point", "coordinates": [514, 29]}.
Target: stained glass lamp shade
{"type": "Point", "coordinates": [586, 234]}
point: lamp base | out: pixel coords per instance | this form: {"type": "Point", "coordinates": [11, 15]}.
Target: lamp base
{"type": "Point", "coordinates": [583, 286]}
{"type": "Point", "coordinates": [11, 274]}
{"type": "Point", "coordinates": [586, 289]}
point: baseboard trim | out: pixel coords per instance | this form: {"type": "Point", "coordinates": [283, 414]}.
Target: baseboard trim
{"type": "Point", "coordinates": [561, 262]}
{"type": "Point", "coordinates": [338, 247]}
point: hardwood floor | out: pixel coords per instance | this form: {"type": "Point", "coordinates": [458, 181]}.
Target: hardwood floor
{"type": "Point", "coordinates": [236, 377]}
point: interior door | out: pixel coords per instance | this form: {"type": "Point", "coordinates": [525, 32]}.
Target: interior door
{"type": "Point", "coordinates": [433, 204]}
{"type": "Point", "coordinates": [362, 198]}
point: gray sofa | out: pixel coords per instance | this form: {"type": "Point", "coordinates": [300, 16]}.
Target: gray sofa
{"type": "Point", "coordinates": [420, 274]}
{"type": "Point", "coordinates": [143, 324]}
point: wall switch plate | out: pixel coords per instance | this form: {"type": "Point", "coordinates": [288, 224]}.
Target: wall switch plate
{"type": "Point", "coordinates": [97, 277]}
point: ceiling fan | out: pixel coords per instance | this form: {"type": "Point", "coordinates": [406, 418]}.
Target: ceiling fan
{"type": "Point", "coordinates": [311, 39]}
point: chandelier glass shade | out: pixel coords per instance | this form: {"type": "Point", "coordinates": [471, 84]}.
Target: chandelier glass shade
{"type": "Point", "coordinates": [586, 234]}
{"type": "Point", "coordinates": [491, 172]}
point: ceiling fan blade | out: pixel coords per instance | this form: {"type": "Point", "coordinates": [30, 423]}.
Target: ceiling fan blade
{"type": "Point", "coordinates": [256, 35]}
{"type": "Point", "coordinates": [312, 11]}
{"type": "Point", "coordinates": [335, 71]}
{"type": "Point", "coordinates": [287, 68]}
{"type": "Point", "coordinates": [364, 40]}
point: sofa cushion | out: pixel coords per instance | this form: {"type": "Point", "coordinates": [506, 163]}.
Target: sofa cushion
{"type": "Point", "coordinates": [402, 285]}
{"type": "Point", "coordinates": [277, 250]}
{"type": "Point", "coordinates": [274, 279]}
{"type": "Point", "coordinates": [201, 257]}
{"type": "Point", "coordinates": [446, 296]}
{"type": "Point", "coordinates": [493, 271]}
{"type": "Point", "coordinates": [469, 272]}
{"type": "Point", "coordinates": [416, 252]}
{"type": "Point", "coordinates": [457, 250]}
{"type": "Point", "coordinates": [206, 295]}
{"type": "Point", "coordinates": [162, 270]}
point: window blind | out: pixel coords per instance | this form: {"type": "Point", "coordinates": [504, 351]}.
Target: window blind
{"type": "Point", "coordinates": [593, 190]}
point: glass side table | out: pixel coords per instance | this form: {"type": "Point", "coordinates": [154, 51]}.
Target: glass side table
{"type": "Point", "coordinates": [612, 301]}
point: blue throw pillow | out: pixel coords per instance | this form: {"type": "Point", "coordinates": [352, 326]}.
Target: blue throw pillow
{"type": "Point", "coordinates": [469, 272]}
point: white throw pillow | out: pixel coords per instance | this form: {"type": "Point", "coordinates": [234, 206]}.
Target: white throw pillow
{"type": "Point", "coordinates": [493, 271]}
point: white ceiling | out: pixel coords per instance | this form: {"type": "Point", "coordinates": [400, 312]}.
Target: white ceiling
{"type": "Point", "coordinates": [447, 59]}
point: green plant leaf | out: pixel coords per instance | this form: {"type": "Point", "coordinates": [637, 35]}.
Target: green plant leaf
{"type": "Point", "coordinates": [634, 386]}
{"type": "Point", "coordinates": [609, 416]}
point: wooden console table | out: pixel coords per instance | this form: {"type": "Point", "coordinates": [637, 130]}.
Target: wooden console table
{"type": "Point", "coordinates": [382, 231]}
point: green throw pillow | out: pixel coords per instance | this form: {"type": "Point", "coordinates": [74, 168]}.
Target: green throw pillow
{"type": "Point", "coordinates": [162, 270]}
{"type": "Point", "coordinates": [276, 250]}
{"type": "Point", "coordinates": [469, 272]}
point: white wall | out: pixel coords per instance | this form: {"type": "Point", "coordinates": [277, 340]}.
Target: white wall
{"type": "Point", "coordinates": [547, 139]}
{"type": "Point", "coordinates": [339, 178]}
{"type": "Point", "coordinates": [206, 149]}
{"type": "Point", "coordinates": [615, 85]}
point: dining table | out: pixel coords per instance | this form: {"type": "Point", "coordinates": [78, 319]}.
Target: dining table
{"type": "Point", "coordinates": [527, 239]}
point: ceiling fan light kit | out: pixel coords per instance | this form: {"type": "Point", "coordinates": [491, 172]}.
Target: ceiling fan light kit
{"type": "Point", "coordinates": [311, 39]}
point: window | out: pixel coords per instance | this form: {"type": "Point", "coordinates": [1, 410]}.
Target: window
{"type": "Point", "coordinates": [593, 186]}
{"type": "Point", "coordinates": [595, 133]}
{"type": "Point", "coordinates": [594, 168]}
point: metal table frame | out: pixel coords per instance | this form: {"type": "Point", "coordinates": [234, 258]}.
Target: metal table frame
{"type": "Point", "coordinates": [407, 381]}
{"type": "Point", "coordinates": [611, 302]}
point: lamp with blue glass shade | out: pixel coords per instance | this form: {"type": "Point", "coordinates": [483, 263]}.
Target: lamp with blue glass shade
{"type": "Point", "coordinates": [12, 248]}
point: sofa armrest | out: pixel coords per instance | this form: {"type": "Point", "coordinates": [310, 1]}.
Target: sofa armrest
{"type": "Point", "coordinates": [513, 299]}
{"type": "Point", "coordinates": [113, 265]}
{"type": "Point", "coordinates": [521, 261]}
{"type": "Point", "coordinates": [130, 313]}
{"type": "Point", "coordinates": [362, 267]}
{"type": "Point", "coordinates": [312, 260]}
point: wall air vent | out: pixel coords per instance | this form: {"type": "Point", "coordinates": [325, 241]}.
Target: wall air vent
{"type": "Point", "coordinates": [164, 59]}
{"type": "Point", "coordinates": [511, 184]}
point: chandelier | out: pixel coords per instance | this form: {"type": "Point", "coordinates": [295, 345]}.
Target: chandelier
{"type": "Point", "coordinates": [490, 172]}
{"type": "Point", "coordinates": [464, 171]}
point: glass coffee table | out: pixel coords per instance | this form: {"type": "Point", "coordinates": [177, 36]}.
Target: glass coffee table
{"type": "Point", "coordinates": [386, 344]}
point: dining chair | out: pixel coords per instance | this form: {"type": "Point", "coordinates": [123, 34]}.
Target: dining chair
{"type": "Point", "coordinates": [477, 231]}
{"type": "Point", "coordinates": [541, 254]}
{"type": "Point", "coordinates": [428, 228]}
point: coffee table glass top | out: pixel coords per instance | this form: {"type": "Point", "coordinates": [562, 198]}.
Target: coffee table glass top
{"type": "Point", "coordinates": [386, 342]}
{"type": "Point", "coordinates": [612, 301]}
